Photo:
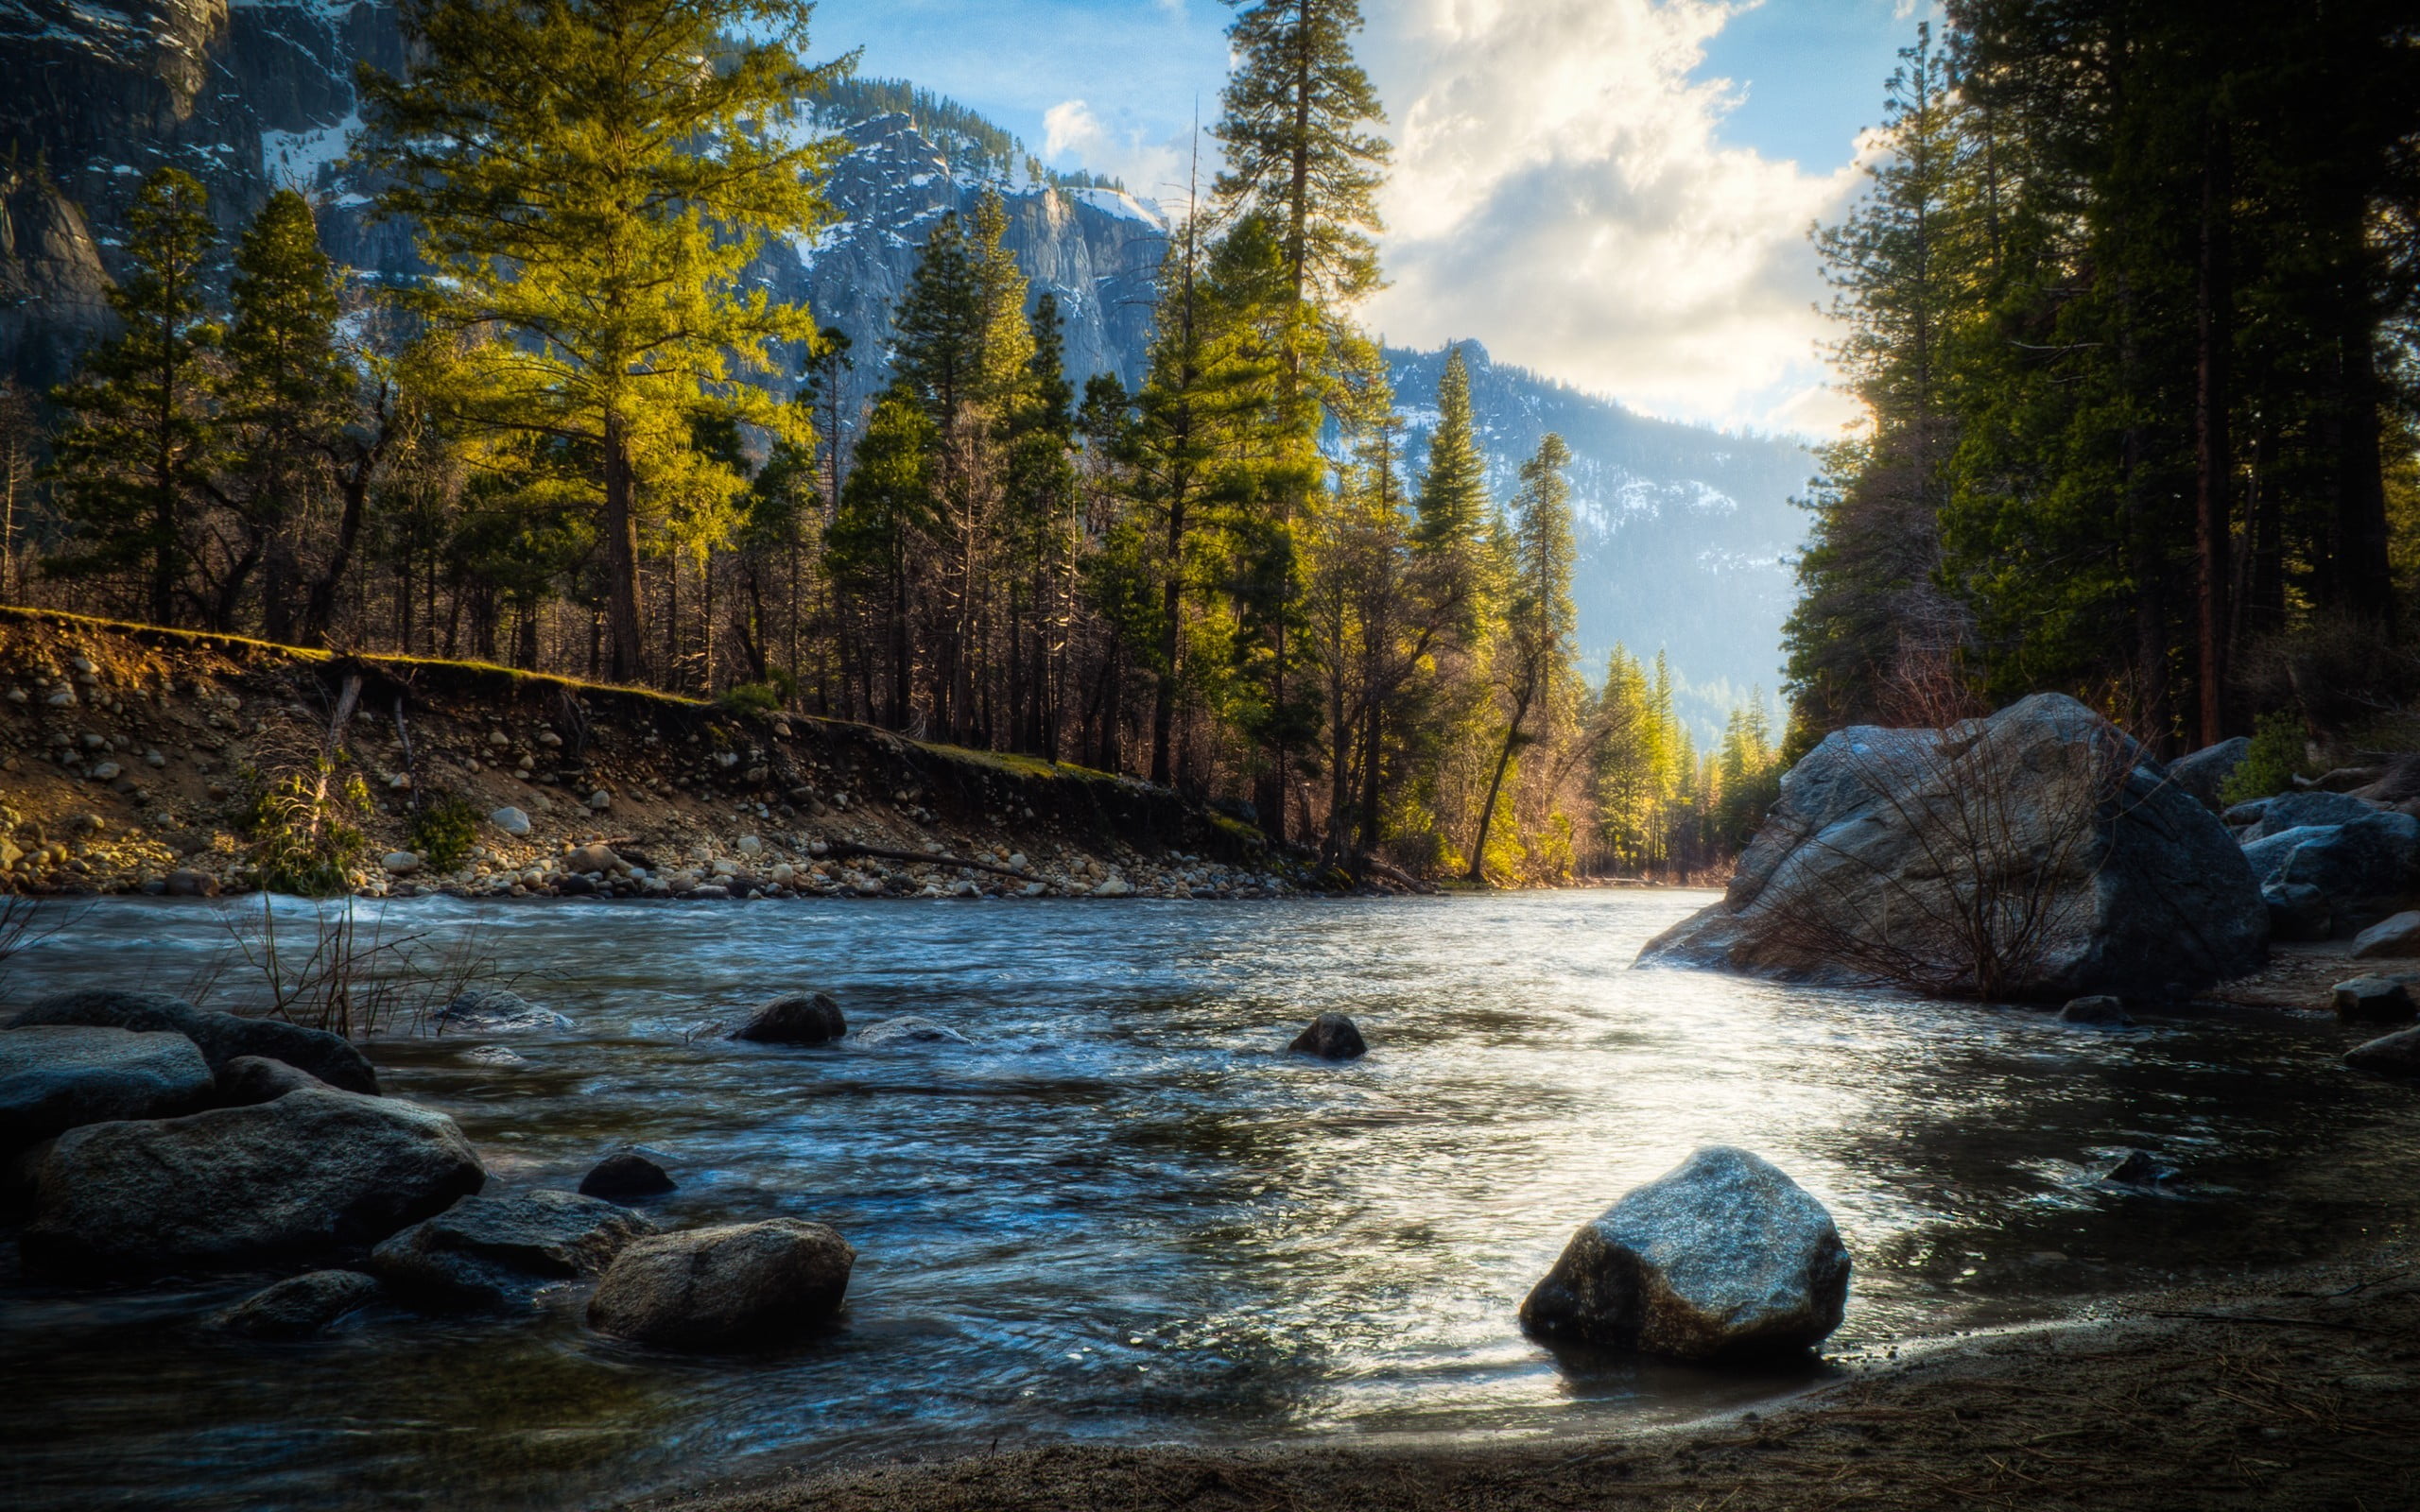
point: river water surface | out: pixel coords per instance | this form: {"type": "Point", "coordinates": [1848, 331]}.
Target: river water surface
{"type": "Point", "coordinates": [1124, 1212]}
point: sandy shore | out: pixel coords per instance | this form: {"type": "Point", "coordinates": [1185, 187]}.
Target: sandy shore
{"type": "Point", "coordinates": [2287, 1391]}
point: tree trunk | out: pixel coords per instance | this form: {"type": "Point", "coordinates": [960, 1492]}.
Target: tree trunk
{"type": "Point", "coordinates": [624, 631]}
{"type": "Point", "coordinates": [1477, 871]}
{"type": "Point", "coordinates": [2212, 449]}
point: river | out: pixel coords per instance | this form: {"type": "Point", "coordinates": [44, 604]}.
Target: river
{"type": "Point", "coordinates": [1123, 1211]}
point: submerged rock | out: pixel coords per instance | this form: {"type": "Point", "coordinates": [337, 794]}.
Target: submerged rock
{"type": "Point", "coordinates": [795, 1018]}
{"type": "Point", "coordinates": [490, 1252]}
{"type": "Point", "coordinates": [314, 1174]}
{"type": "Point", "coordinates": [2138, 1168]}
{"type": "Point", "coordinates": [2375, 999]}
{"type": "Point", "coordinates": [300, 1306]}
{"type": "Point", "coordinates": [494, 1010]}
{"type": "Point", "coordinates": [1330, 1036]}
{"type": "Point", "coordinates": [2103, 1011]}
{"type": "Point", "coordinates": [910, 1029]}
{"type": "Point", "coordinates": [626, 1175]}
{"type": "Point", "coordinates": [1724, 1257]}
{"type": "Point", "coordinates": [55, 1077]}
{"type": "Point", "coordinates": [1883, 839]}
{"type": "Point", "coordinates": [736, 1286]}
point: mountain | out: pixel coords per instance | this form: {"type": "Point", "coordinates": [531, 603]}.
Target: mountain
{"type": "Point", "coordinates": [1682, 531]}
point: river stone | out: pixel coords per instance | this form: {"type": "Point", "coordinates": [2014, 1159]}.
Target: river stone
{"type": "Point", "coordinates": [2374, 1000]}
{"type": "Point", "coordinates": [625, 1176]}
{"type": "Point", "coordinates": [794, 1018]}
{"type": "Point", "coordinates": [58, 1078]}
{"type": "Point", "coordinates": [736, 1286]}
{"type": "Point", "coordinates": [510, 820]}
{"type": "Point", "coordinates": [2397, 936]}
{"type": "Point", "coordinates": [2295, 811]}
{"type": "Point", "coordinates": [2391, 1055]}
{"type": "Point", "coordinates": [494, 1010]}
{"type": "Point", "coordinates": [2370, 857]}
{"type": "Point", "coordinates": [1330, 1036]}
{"type": "Point", "coordinates": [221, 1037]}
{"type": "Point", "coordinates": [314, 1174]}
{"type": "Point", "coordinates": [300, 1306]}
{"type": "Point", "coordinates": [2104, 1010]}
{"type": "Point", "coordinates": [490, 1252]}
{"type": "Point", "coordinates": [2298, 912]}
{"type": "Point", "coordinates": [592, 858]}
{"type": "Point", "coordinates": [250, 1079]}
{"type": "Point", "coordinates": [2201, 775]}
{"type": "Point", "coordinates": [2144, 892]}
{"type": "Point", "coordinates": [910, 1029]}
{"type": "Point", "coordinates": [1723, 1256]}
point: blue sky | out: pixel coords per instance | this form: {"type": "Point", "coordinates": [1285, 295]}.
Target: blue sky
{"type": "Point", "coordinates": [1657, 160]}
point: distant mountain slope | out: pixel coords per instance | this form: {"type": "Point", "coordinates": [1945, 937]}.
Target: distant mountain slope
{"type": "Point", "coordinates": [1685, 533]}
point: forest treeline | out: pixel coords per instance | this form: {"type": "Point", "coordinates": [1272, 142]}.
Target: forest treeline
{"type": "Point", "coordinates": [586, 443]}
{"type": "Point", "coordinates": [2130, 298]}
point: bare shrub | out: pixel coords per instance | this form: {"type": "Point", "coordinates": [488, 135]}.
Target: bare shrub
{"type": "Point", "coordinates": [347, 970]}
{"type": "Point", "coordinates": [1998, 863]}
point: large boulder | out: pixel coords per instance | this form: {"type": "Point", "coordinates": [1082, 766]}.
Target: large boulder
{"type": "Point", "coordinates": [2268, 856]}
{"type": "Point", "coordinates": [2298, 912]}
{"type": "Point", "coordinates": [2389, 1054]}
{"type": "Point", "coordinates": [57, 1078]}
{"type": "Point", "coordinates": [794, 1018]}
{"type": "Point", "coordinates": [736, 1286]}
{"type": "Point", "coordinates": [2375, 999]}
{"type": "Point", "coordinates": [2035, 855]}
{"type": "Point", "coordinates": [2201, 775]}
{"type": "Point", "coordinates": [313, 1175]}
{"type": "Point", "coordinates": [299, 1307]}
{"type": "Point", "coordinates": [2370, 857]}
{"type": "Point", "coordinates": [2295, 811]}
{"type": "Point", "coordinates": [221, 1037]}
{"type": "Point", "coordinates": [2395, 937]}
{"type": "Point", "coordinates": [1723, 1256]}
{"type": "Point", "coordinates": [490, 1252]}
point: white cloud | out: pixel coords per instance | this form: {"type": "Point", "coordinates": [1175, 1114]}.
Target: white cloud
{"type": "Point", "coordinates": [1561, 191]}
{"type": "Point", "coordinates": [1073, 135]}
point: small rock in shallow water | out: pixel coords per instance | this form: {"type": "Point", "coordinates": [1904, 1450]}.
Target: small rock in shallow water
{"type": "Point", "coordinates": [494, 1055]}
{"type": "Point", "coordinates": [2392, 1055]}
{"type": "Point", "coordinates": [300, 1306]}
{"type": "Point", "coordinates": [2138, 1168]}
{"type": "Point", "coordinates": [489, 1251]}
{"type": "Point", "coordinates": [1725, 1257]}
{"type": "Point", "coordinates": [624, 1176]}
{"type": "Point", "coordinates": [910, 1029]}
{"type": "Point", "coordinates": [794, 1018]}
{"type": "Point", "coordinates": [1330, 1036]}
{"type": "Point", "coordinates": [740, 1286]}
{"type": "Point", "coordinates": [2106, 1011]}
{"type": "Point", "coordinates": [494, 1010]}
{"type": "Point", "coordinates": [2374, 1000]}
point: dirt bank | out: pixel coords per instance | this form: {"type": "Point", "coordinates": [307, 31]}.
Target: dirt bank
{"type": "Point", "coordinates": [2294, 1391]}
{"type": "Point", "coordinates": [129, 755]}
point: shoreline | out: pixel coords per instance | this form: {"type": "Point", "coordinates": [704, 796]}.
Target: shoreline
{"type": "Point", "coordinates": [2293, 1389]}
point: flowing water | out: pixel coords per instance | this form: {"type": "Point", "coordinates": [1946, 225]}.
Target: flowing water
{"type": "Point", "coordinates": [1123, 1211]}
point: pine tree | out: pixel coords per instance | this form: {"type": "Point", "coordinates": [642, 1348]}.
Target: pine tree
{"type": "Point", "coordinates": [138, 449]}
{"type": "Point", "coordinates": [1454, 506]}
{"type": "Point", "coordinates": [593, 192]}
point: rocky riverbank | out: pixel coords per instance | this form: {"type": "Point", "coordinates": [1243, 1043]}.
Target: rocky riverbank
{"type": "Point", "coordinates": [131, 759]}
{"type": "Point", "coordinates": [2299, 1389]}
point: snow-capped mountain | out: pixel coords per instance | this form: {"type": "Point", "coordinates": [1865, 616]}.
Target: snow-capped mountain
{"type": "Point", "coordinates": [1683, 530]}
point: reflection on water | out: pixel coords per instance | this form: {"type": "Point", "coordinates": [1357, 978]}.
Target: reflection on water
{"type": "Point", "coordinates": [1124, 1212]}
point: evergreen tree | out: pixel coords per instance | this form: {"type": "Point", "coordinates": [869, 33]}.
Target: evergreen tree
{"type": "Point", "coordinates": [593, 193]}
{"type": "Point", "coordinates": [137, 453]}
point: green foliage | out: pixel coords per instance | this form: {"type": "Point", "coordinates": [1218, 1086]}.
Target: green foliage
{"type": "Point", "coordinates": [444, 832]}
{"type": "Point", "coordinates": [2270, 765]}
{"type": "Point", "coordinates": [752, 697]}
{"type": "Point", "coordinates": [304, 827]}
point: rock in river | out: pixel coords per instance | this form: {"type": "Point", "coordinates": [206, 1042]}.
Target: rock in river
{"type": "Point", "coordinates": [314, 1174]}
{"type": "Point", "coordinates": [2105, 1012]}
{"type": "Point", "coordinates": [2102, 876]}
{"type": "Point", "coordinates": [910, 1029]}
{"type": "Point", "coordinates": [58, 1078]}
{"type": "Point", "coordinates": [1722, 1258]}
{"type": "Point", "coordinates": [736, 1286]}
{"type": "Point", "coordinates": [795, 1018]}
{"type": "Point", "coordinates": [1330, 1036]}
{"type": "Point", "coordinates": [489, 1251]}
{"type": "Point", "coordinates": [2391, 1055]}
{"type": "Point", "coordinates": [221, 1037]}
{"type": "Point", "coordinates": [626, 1175]}
{"type": "Point", "coordinates": [494, 1010]}
{"type": "Point", "coordinates": [2374, 1000]}
{"type": "Point", "coordinates": [300, 1306]}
